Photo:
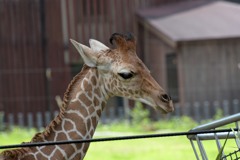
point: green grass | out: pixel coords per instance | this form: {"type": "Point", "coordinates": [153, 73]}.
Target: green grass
{"type": "Point", "coordinates": [16, 136]}
{"type": "Point", "coordinates": [144, 149]}
{"type": "Point", "coordinates": [165, 148]}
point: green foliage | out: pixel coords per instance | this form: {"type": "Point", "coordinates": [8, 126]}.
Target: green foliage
{"type": "Point", "coordinates": [222, 148]}
{"type": "Point", "coordinates": [141, 122]}
{"type": "Point", "coordinates": [218, 114]}
{"type": "Point", "coordinates": [183, 123]}
{"type": "Point", "coordinates": [140, 115]}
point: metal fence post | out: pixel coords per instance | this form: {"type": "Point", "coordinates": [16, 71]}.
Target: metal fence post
{"type": "Point", "coordinates": [206, 109]}
{"type": "Point", "coordinates": [177, 110]}
{"type": "Point", "coordinates": [47, 116]}
{"type": "Point", "coordinates": [30, 120]}
{"type": "Point", "coordinates": [225, 107]}
{"type": "Point", "coordinates": [39, 120]}
{"type": "Point", "coordinates": [20, 119]}
{"type": "Point", "coordinates": [196, 107]}
{"type": "Point", "coordinates": [186, 109]}
{"type": "Point", "coordinates": [235, 106]}
{"type": "Point", "coordinates": [10, 121]}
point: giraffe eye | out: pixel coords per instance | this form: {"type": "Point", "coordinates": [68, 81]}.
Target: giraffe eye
{"type": "Point", "coordinates": [126, 75]}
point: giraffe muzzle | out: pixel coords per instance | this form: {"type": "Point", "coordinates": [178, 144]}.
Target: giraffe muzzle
{"type": "Point", "coordinates": [166, 104]}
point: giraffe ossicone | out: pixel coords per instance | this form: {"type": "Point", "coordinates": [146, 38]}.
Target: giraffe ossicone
{"type": "Point", "coordinates": [107, 72]}
{"type": "Point", "coordinates": [97, 46]}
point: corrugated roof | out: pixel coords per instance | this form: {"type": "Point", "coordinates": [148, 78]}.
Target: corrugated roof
{"type": "Point", "coordinates": [197, 20]}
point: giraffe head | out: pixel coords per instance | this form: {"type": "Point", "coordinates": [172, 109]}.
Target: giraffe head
{"type": "Point", "coordinates": [123, 73]}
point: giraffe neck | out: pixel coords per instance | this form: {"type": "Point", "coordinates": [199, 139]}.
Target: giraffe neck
{"type": "Point", "coordinates": [83, 104]}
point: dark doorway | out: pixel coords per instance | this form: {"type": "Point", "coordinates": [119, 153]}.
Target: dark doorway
{"type": "Point", "coordinates": [172, 78]}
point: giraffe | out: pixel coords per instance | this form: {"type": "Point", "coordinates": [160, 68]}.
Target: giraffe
{"type": "Point", "coordinates": [106, 73]}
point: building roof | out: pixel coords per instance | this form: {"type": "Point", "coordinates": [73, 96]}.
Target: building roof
{"type": "Point", "coordinates": [195, 20]}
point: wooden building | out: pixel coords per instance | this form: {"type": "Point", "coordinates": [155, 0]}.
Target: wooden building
{"type": "Point", "coordinates": [193, 49]}
{"type": "Point", "coordinates": [36, 60]}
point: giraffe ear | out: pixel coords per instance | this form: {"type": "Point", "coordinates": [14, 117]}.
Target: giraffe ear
{"type": "Point", "coordinates": [87, 54]}
{"type": "Point", "coordinates": [97, 46]}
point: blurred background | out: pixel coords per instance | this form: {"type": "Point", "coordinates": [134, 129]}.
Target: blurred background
{"type": "Point", "coordinates": [192, 48]}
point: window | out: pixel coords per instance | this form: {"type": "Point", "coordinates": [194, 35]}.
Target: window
{"type": "Point", "coordinates": [172, 76]}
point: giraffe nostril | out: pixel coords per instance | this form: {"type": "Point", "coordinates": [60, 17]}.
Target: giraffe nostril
{"type": "Point", "coordinates": [165, 98]}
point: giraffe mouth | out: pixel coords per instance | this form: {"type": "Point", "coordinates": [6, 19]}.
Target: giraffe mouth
{"type": "Point", "coordinates": [166, 108]}
{"type": "Point", "coordinates": [163, 108]}
{"type": "Point", "coordinates": [163, 111]}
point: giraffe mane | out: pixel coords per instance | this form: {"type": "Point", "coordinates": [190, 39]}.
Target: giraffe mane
{"type": "Point", "coordinates": [39, 137]}
{"type": "Point", "coordinates": [66, 99]}
{"type": "Point", "coordinates": [13, 154]}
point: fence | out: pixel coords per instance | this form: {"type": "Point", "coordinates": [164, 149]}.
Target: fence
{"type": "Point", "coordinates": [199, 138]}
{"type": "Point", "coordinates": [198, 111]}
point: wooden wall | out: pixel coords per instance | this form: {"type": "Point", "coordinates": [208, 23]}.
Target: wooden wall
{"type": "Point", "coordinates": [35, 54]}
{"type": "Point", "coordinates": [22, 82]}
{"type": "Point", "coordinates": [31, 47]}
{"type": "Point", "coordinates": [210, 70]}
{"type": "Point", "coordinates": [98, 19]}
